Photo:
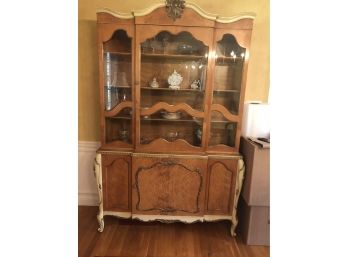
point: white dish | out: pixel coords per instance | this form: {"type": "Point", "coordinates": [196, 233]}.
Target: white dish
{"type": "Point", "coordinates": [171, 115]}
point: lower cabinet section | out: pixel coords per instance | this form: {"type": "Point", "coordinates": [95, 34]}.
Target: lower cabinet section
{"type": "Point", "coordinates": [185, 188]}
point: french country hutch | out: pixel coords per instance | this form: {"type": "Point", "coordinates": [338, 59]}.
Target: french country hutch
{"type": "Point", "coordinates": [171, 101]}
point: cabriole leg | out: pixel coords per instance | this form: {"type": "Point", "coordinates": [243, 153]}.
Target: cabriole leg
{"type": "Point", "coordinates": [240, 177]}
{"type": "Point", "coordinates": [98, 176]}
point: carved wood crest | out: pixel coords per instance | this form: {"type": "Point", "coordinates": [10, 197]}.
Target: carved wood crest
{"type": "Point", "coordinates": [175, 8]}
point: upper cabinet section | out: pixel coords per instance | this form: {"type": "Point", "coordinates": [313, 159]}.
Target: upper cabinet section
{"type": "Point", "coordinates": [173, 70]}
{"type": "Point", "coordinates": [172, 84]}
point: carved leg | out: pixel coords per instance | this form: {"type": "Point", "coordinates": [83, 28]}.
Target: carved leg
{"type": "Point", "coordinates": [240, 177]}
{"type": "Point", "coordinates": [98, 176]}
{"type": "Point", "coordinates": [101, 222]}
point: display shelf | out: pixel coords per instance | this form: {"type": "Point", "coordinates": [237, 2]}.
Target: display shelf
{"type": "Point", "coordinates": [174, 56]}
{"type": "Point", "coordinates": [125, 87]}
{"type": "Point", "coordinates": [226, 91]}
{"type": "Point", "coordinates": [174, 90]}
{"type": "Point", "coordinates": [169, 120]}
{"type": "Point", "coordinates": [121, 117]}
{"type": "Point", "coordinates": [119, 53]}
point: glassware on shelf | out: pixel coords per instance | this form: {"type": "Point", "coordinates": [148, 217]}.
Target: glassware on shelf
{"type": "Point", "coordinates": [124, 95]}
{"type": "Point", "coordinates": [108, 84]}
{"type": "Point", "coordinates": [172, 135]}
{"type": "Point", "coordinates": [123, 134]}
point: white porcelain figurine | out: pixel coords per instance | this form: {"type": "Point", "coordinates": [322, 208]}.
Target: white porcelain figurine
{"type": "Point", "coordinates": [154, 83]}
{"type": "Point", "coordinates": [196, 84]}
{"type": "Point", "coordinates": [174, 80]}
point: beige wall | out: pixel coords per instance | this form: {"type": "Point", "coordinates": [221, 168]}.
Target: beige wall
{"type": "Point", "coordinates": [88, 97]}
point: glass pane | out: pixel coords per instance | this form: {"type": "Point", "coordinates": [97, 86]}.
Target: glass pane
{"type": "Point", "coordinates": [173, 70]}
{"type": "Point", "coordinates": [228, 73]}
{"type": "Point", "coordinates": [119, 127]}
{"type": "Point", "coordinates": [117, 69]}
{"type": "Point", "coordinates": [171, 126]}
{"type": "Point", "coordinates": [222, 131]}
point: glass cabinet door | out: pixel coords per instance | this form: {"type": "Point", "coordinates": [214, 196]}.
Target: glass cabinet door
{"type": "Point", "coordinates": [117, 59]}
{"type": "Point", "coordinates": [229, 61]}
{"type": "Point", "coordinates": [173, 72]}
{"type": "Point", "coordinates": [228, 72]}
{"type": "Point", "coordinates": [117, 69]}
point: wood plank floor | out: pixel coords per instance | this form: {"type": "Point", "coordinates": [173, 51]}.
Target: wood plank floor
{"type": "Point", "coordinates": [131, 238]}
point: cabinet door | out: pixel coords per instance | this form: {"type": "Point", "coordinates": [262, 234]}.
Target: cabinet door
{"type": "Point", "coordinates": [168, 186]}
{"type": "Point", "coordinates": [116, 80]}
{"type": "Point", "coordinates": [116, 182]}
{"type": "Point", "coordinates": [172, 77]}
{"type": "Point", "coordinates": [221, 186]}
{"type": "Point", "coordinates": [229, 78]}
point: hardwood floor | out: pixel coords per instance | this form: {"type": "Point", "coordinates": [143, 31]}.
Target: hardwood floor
{"type": "Point", "coordinates": [131, 238]}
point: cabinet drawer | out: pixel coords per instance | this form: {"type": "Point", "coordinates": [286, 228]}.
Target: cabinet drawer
{"type": "Point", "coordinates": [116, 170]}
{"type": "Point", "coordinates": [168, 185]}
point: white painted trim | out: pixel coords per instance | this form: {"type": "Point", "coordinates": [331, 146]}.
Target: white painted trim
{"type": "Point", "coordinates": [116, 14]}
{"type": "Point", "coordinates": [231, 19]}
{"type": "Point", "coordinates": [193, 6]}
{"type": "Point", "coordinates": [164, 218]}
{"type": "Point", "coordinates": [185, 219]}
{"type": "Point", "coordinates": [217, 217]}
{"type": "Point", "coordinates": [124, 215]}
{"type": "Point", "coordinates": [88, 146]}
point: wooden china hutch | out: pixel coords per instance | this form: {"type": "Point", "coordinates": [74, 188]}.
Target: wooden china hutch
{"type": "Point", "coordinates": [171, 100]}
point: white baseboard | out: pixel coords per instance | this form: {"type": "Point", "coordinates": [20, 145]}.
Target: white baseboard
{"type": "Point", "coordinates": [88, 199]}
{"type": "Point", "coordinates": [87, 188]}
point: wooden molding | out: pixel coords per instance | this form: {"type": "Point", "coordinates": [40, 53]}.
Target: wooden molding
{"type": "Point", "coordinates": [193, 6]}
{"type": "Point", "coordinates": [182, 156]}
{"type": "Point", "coordinates": [172, 108]}
{"type": "Point", "coordinates": [118, 108]}
{"type": "Point", "coordinates": [226, 113]}
{"type": "Point", "coordinates": [162, 145]}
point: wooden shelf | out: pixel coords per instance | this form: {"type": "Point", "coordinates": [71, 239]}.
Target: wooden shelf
{"type": "Point", "coordinates": [171, 120]}
{"type": "Point", "coordinates": [121, 117]}
{"type": "Point", "coordinates": [226, 91]}
{"type": "Point", "coordinates": [174, 90]}
{"type": "Point", "coordinates": [119, 53]}
{"type": "Point", "coordinates": [229, 58]}
{"type": "Point", "coordinates": [220, 121]}
{"type": "Point", "coordinates": [175, 56]}
{"type": "Point", "coordinates": [113, 87]}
